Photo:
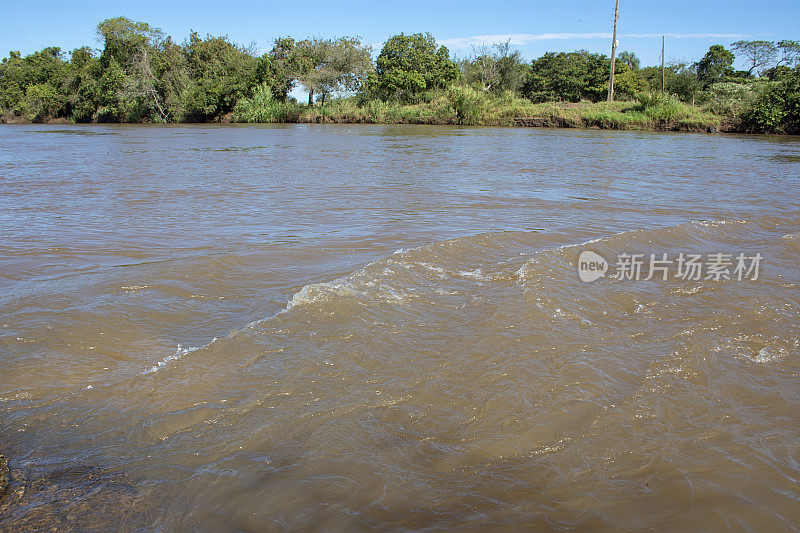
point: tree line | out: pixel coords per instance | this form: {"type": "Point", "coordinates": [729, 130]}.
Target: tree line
{"type": "Point", "coordinates": [142, 75]}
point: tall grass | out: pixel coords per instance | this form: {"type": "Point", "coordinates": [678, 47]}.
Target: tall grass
{"type": "Point", "coordinates": [667, 112]}
{"type": "Point", "coordinates": [662, 107]}
{"type": "Point", "coordinates": [468, 106]}
{"type": "Point", "coordinates": [262, 107]}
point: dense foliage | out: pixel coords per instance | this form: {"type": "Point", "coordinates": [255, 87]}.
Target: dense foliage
{"type": "Point", "coordinates": [328, 66]}
{"type": "Point", "coordinates": [495, 69]}
{"type": "Point", "coordinates": [776, 108]}
{"type": "Point", "coordinates": [577, 76]}
{"type": "Point", "coordinates": [410, 64]}
{"type": "Point", "coordinates": [141, 75]}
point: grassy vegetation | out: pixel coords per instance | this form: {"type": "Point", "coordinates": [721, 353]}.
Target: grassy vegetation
{"type": "Point", "coordinates": [464, 105]}
{"type": "Point", "coordinates": [143, 75]}
{"type": "Point", "coordinates": [263, 107]}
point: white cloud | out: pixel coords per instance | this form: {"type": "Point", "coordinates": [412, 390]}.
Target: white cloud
{"type": "Point", "coordinates": [521, 39]}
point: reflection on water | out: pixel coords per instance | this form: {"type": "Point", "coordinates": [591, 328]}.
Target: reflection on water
{"type": "Point", "coordinates": [357, 327]}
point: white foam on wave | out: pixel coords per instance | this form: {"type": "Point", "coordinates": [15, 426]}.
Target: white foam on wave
{"type": "Point", "coordinates": [345, 288]}
{"type": "Point", "coordinates": [134, 288]}
{"type": "Point", "coordinates": [181, 351]}
{"type": "Point", "coordinates": [444, 273]}
{"type": "Point", "coordinates": [530, 264]}
{"type": "Point", "coordinates": [433, 268]}
{"type": "Point", "coordinates": [367, 283]}
{"type": "Point", "coordinates": [314, 292]}
{"type": "Point", "coordinates": [476, 274]}
{"type": "Point", "coordinates": [715, 223]}
{"type": "Point", "coordinates": [766, 355]}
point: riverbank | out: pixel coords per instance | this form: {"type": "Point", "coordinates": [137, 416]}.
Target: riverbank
{"type": "Point", "coordinates": [464, 106]}
{"type": "Point", "coordinates": [581, 115]}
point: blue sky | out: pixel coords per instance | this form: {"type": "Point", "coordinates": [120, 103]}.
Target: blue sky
{"type": "Point", "coordinates": [534, 26]}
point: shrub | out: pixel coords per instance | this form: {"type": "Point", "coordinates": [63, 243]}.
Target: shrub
{"type": "Point", "coordinates": [776, 109]}
{"type": "Point", "coordinates": [661, 107]}
{"type": "Point", "coordinates": [732, 99]}
{"type": "Point", "coordinates": [262, 107]}
{"type": "Point", "coordinates": [467, 103]}
{"type": "Point", "coordinates": [40, 103]}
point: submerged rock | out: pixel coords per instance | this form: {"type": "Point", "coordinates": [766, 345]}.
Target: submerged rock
{"type": "Point", "coordinates": [5, 476]}
{"type": "Point", "coordinates": [74, 497]}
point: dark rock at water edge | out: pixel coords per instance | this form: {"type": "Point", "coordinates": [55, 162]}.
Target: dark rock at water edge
{"type": "Point", "coordinates": [5, 476]}
{"type": "Point", "coordinates": [79, 497]}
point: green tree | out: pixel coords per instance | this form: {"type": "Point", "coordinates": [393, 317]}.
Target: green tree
{"type": "Point", "coordinates": [575, 76]}
{"type": "Point", "coordinates": [717, 62]}
{"type": "Point", "coordinates": [630, 59]}
{"type": "Point", "coordinates": [777, 73]}
{"type": "Point", "coordinates": [758, 54]}
{"type": "Point", "coordinates": [282, 61]}
{"type": "Point", "coordinates": [140, 75]}
{"type": "Point", "coordinates": [628, 83]}
{"type": "Point", "coordinates": [33, 85]}
{"type": "Point", "coordinates": [81, 85]}
{"type": "Point", "coordinates": [340, 65]}
{"type": "Point", "coordinates": [777, 109]}
{"type": "Point", "coordinates": [41, 102]}
{"type": "Point", "coordinates": [127, 83]}
{"type": "Point", "coordinates": [496, 68]}
{"type": "Point", "coordinates": [511, 68]}
{"type": "Point", "coordinates": [679, 79]}
{"type": "Point", "coordinates": [220, 73]}
{"type": "Point", "coordinates": [411, 64]}
{"type": "Point", "coordinates": [557, 76]}
{"type": "Point", "coordinates": [123, 38]}
{"type": "Point", "coordinates": [12, 87]}
{"type": "Point", "coordinates": [790, 53]}
{"type": "Point", "coordinates": [44, 66]}
{"type": "Point", "coordinates": [110, 83]}
{"type": "Point", "coordinates": [170, 79]}
{"type": "Point", "coordinates": [308, 60]}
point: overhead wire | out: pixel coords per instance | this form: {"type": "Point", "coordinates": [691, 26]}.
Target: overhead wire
{"type": "Point", "coordinates": [565, 9]}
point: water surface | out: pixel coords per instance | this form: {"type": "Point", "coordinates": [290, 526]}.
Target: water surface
{"type": "Point", "coordinates": [355, 327]}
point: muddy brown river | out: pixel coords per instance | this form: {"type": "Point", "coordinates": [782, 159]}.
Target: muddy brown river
{"type": "Point", "coordinates": [360, 327]}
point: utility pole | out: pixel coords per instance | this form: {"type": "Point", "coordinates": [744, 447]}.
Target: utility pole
{"type": "Point", "coordinates": [662, 64]}
{"type": "Point", "coordinates": [613, 55]}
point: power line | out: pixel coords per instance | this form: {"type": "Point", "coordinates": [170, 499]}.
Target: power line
{"type": "Point", "coordinates": [581, 8]}
{"type": "Point", "coordinates": [575, 11]}
{"type": "Point", "coordinates": [536, 8]}
{"type": "Point", "coordinates": [589, 4]}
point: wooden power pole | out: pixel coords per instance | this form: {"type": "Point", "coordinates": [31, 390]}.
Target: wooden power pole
{"type": "Point", "coordinates": [662, 64]}
{"type": "Point", "coordinates": [613, 55]}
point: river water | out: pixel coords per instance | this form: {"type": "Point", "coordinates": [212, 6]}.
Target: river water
{"type": "Point", "coordinates": [340, 327]}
